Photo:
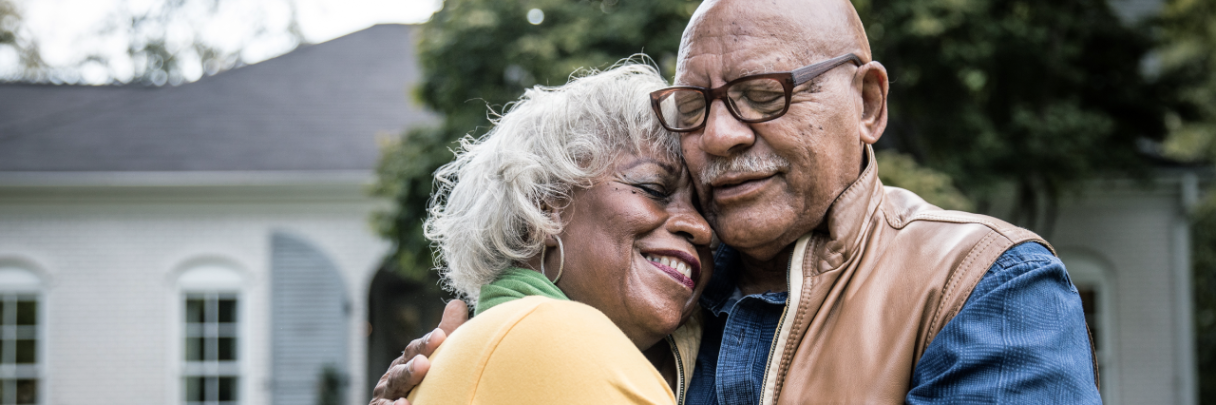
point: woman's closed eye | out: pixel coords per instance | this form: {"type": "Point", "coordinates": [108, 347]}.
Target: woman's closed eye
{"type": "Point", "coordinates": [654, 190]}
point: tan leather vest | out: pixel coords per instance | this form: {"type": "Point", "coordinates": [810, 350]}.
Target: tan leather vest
{"type": "Point", "coordinates": [869, 294]}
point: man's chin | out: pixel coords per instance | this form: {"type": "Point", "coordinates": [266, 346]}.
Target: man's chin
{"type": "Point", "coordinates": [759, 231]}
{"type": "Point", "coordinates": [746, 234]}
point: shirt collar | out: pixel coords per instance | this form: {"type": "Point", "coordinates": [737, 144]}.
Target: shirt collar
{"type": "Point", "coordinates": [721, 294]}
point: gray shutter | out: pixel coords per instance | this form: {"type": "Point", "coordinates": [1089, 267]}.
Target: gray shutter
{"type": "Point", "coordinates": [309, 319]}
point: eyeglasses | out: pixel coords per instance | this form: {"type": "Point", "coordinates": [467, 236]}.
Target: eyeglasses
{"type": "Point", "coordinates": [751, 99]}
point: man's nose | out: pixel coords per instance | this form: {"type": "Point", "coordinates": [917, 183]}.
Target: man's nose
{"type": "Point", "coordinates": [723, 134]}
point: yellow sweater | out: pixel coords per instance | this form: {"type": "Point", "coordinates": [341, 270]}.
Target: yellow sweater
{"type": "Point", "coordinates": [538, 350]}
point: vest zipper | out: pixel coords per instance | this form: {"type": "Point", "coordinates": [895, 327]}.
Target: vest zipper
{"type": "Point", "coordinates": [772, 349]}
{"type": "Point", "coordinates": [679, 370]}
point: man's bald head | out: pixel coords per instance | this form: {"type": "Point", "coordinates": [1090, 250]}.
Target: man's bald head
{"type": "Point", "coordinates": [813, 151]}
{"type": "Point", "coordinates": [806, 30]}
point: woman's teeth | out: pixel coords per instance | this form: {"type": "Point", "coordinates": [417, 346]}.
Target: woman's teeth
{"type": "Point", "coordinates": [674, 263]}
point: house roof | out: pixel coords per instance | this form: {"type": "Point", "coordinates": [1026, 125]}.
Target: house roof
{"type": "Point", "coordinates": [318, 108]}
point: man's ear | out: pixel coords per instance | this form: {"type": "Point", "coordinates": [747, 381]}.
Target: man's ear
{"type": "Point", "coordinates": [874, 88]}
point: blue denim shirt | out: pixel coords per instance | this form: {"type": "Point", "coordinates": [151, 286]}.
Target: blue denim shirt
{"type": "Point", "coordinates": [1020, 338]}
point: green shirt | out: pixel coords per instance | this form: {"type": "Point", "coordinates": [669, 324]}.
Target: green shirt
{"type": "Point", "coordinates": [515, 283]}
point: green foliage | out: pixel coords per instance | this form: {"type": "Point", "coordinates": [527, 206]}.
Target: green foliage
{"type": "Point", "coordinates": [1188, 64]}
{"type": "Point", "coordinates": [331, 386]}
{"type": "Point", "coordinates": [159, 59]}
{"type": "Point", "coordinates": [479, 53]}
{"type": "Point", "coordinates": [405, 173]}
{"type": "Point", "coordinates": [1039, 93]}
{"type": "Point", "coordinates": [900, 170]}
{"type": "Point", "coordinates": [9, 19]}
{"type": "Point", "coordinates": [1042, 94]}
{"type": "Point", "coordinates": [11, 36]}
{"type": "Point", "coordinates": [1203, 242]}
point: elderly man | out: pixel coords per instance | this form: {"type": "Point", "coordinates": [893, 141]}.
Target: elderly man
{"type": "Point", "coordinates": [832, 288]}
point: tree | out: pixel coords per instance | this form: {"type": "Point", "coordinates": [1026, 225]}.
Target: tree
{"type": "Point", "coordinates": [16, 43]}
{"type": "Point", "coordinates": [1188, 67]}
{"type": "Point", "coordinates": [168, 42]}
{"type": "Point", "coordinates": [1040, 94]}
{"type": "Point", "coordinates": [161, 56]}
{"type": "Point", "coordinates": [483, 53]}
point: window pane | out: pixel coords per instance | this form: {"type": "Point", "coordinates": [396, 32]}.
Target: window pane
{"type": "Point", "coordinates": [228, 389]}
{"type": "Point", "coordinates": [25, 351]}
{"type": "Point", "coordinates": [27, 392]}
{"type": "Point", "coordinates": [27, 312]}
{"type": "Point", "coordinates": [211, 389]}
{"type": "Point", "coordinates": [227, 349]}
{"type": "Point", "coordinates": [227, 311]}
{"type": "Point", "coordinates": [1089, 304]}
{"type": "Point", "coordinates": [194, 349]}
{"type": "Point", "coordinates": [194, 311]}
{"type": "Point", "coordinates": [194, 389]}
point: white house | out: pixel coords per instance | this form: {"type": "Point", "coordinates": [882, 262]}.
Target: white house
{"type": "Point", "coordinates": [1127, 249]}
{"type": "Point", "coordinates": [201, 244]}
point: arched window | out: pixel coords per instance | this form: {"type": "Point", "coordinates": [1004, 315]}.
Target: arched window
{"type": "Point", "coordinates": [1095, 282]}
{"type": "Point", "coordinates": [20, 335]}
{"type": "Point", "coordinates": [211, 320]}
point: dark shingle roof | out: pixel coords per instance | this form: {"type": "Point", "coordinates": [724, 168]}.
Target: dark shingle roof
{"type": "Point", "coordinates": [319, 107]}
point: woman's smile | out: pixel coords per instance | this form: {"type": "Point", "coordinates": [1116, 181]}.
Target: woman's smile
{"type": "Point", "coordinates": [681, 266]}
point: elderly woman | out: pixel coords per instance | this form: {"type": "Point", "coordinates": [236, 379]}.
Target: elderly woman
{"type": "Point", "coordinates": [571, 226]}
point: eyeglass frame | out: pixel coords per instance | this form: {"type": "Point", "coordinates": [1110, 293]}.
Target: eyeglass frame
{"type": "Point", "coordinates": [789, 80]}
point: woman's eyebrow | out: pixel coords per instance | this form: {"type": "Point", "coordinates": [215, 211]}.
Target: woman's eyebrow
{"type": "Point", "coordinates": [669, 168]}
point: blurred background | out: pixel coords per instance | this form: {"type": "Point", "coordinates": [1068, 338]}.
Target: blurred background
{"type": "Point", "coordinates": [220, 201]}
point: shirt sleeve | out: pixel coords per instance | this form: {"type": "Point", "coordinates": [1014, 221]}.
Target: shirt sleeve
{"type": "Point", "coordinates": [1019, 339]}
{"type": "Point", "coordinates": [569, 353]}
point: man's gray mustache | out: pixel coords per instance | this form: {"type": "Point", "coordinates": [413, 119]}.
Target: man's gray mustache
{"type": "Point", "coordinates": [718, 166]}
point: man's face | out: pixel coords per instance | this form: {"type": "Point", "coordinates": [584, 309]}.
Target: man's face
{"type": "Point", "coordinates": [764, 185]}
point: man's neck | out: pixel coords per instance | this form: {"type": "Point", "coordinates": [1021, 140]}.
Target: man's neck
{"type": "Point", "coordinates": [761, 276]}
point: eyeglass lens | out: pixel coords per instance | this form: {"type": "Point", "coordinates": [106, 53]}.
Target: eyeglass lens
{"type": "Point", "coordinates": [753, 99]}
{"type": "Point", "coordinates": [683, 108]}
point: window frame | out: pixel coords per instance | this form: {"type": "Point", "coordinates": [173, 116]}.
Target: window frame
{"type": "Point", "coordinates": [209, 277]}
{"type": "Point", "coordinates": [21, 280]}
{"type": "Point", "coordinates": [1090, 270]}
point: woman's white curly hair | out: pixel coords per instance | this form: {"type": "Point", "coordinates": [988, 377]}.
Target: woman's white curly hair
{"type": "Point", "coordinates": [491, 206]}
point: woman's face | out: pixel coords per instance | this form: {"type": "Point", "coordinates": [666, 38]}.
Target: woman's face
{"type": "Point", "coordinates": [636, 247]}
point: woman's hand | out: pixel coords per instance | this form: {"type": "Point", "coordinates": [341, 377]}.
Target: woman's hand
{"type": "Point", "coordinates": [407, 371]}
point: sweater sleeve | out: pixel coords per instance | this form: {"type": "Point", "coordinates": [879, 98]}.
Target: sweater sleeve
{"type": "Point", "coordinates": [538, 350]}
{"type": "Point", "coordinates": [565, 352]}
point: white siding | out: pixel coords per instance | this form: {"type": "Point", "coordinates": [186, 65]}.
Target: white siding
{"type": "Point", "coordinates": [111, 257]}
{"type": "Point", "coordinates": [1133, 231]}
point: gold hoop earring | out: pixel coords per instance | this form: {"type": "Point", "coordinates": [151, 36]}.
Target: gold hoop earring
{"type": "Point", "coordinates": [561, 260]}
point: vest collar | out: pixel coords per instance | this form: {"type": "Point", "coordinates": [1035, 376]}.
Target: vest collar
{"type": "Point", "coordinates": [850, 217]}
